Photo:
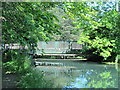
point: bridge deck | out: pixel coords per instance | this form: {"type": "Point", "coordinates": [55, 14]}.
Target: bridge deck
{"type": "Point", "coordinates": [57, 54]}
{"type": "Point", "coordinates": [39, 59]}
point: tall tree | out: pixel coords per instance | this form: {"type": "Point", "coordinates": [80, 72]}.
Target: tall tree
{"type": "Point", "coordinates": [27, 23]}
{"type": "Point", "coordinates": [100, 27]}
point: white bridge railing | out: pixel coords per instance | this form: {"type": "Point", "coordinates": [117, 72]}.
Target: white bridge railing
{"type": "Point", "coordinates": [49, 47]}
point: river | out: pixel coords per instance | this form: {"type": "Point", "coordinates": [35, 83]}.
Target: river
{"type": "Point", "coordinates": [79, 74]}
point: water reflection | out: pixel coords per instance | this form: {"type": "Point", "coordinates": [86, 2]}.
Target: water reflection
{"type": "Point", "coordinates": [80, 82]}
{"type": "Point", "coordinates": [81, 75]}
{"type": "Point", "coordinates": [102, 80]}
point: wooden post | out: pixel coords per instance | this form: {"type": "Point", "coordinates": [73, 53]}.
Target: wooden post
{"type": "Point", "coordinates": [32, 51]}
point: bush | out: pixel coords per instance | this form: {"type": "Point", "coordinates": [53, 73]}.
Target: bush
{"type": "Point", "coordinates": [34, 79]}
{"type": "Point", "coordinates": [17, 63]}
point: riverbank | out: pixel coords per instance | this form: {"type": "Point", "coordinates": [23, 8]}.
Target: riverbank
{"type": "Point", "coordinates": [111, 63]}
{"type": "Point", "coordinates": [9, 81]}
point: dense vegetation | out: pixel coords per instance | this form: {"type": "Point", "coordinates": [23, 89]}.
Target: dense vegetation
{"type": "Point", "coordinates": [27, 23]}
{"type": "Point", "coordinates": [100, 31]}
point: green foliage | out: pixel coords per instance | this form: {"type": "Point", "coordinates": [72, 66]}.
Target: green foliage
{"type": "Point", "coordinates": [26, 23]}
{"type": "Point", "coordinates": [18, 63]}
{"type": "Point", "coordinates": [34, 79]}
{"type": "Point", "coordinates": [103, 46]}
{"type": "Point", "coordinates": [103, 39]}
{"type": "Point", "coordinates": [100, 31]}
{"type": "Point", "coordinates": [68, 32]}
{"type": "Point", "coordinates": [104, 82]}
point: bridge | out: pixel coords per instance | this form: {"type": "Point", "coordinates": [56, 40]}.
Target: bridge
{"type": "Point", "coordinates": [53, 48]}
{"type": "Point", "coordinates": [58, 48]}
{"type": "Point", "coordinates": [47, 50]}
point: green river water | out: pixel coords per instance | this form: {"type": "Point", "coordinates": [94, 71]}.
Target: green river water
{"type": "Point", "coordinates": [79, 74]}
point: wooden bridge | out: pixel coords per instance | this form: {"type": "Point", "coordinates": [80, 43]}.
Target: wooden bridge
{"type": "Point", "coordinates": [53, 48]}
{"type": "Point", "coordinates": [58, 48]}
{"type": "Point", "coordinates": [47, 50]}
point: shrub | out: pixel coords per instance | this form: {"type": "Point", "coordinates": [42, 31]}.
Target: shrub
{"type": "Point", "coordinates": [34, 79]}
{"type": "Point", "coordinates": [18, 63]}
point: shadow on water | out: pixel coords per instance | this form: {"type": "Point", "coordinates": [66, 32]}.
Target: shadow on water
{"type": "Point", "coordinates": [74, 74]}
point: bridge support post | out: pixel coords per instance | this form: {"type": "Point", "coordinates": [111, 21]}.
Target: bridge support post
{"type": "Point", "coordinates": [31, 56]}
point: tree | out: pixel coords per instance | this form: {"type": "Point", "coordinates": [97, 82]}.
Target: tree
{"type": "Point", "coordinates": [100, 28]}
{"type": "Point", "coordinates": [27, 23]}
{"type": "Point", "coordinates": [67, 30]}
